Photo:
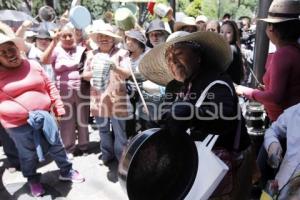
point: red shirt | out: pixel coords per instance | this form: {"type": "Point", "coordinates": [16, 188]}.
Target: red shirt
{"type": "Point", "coordinates": [29, 86]}
{"type": "Point", "coordinates": [282, 81]}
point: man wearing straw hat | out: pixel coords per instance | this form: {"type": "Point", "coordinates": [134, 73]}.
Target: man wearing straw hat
{"type": "Point", "coordinates": [106, 69]}
{"type": "Point", "coordinates": [191, 59]}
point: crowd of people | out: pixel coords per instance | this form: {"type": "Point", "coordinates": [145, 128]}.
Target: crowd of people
{"type": "Point", "coordinates": [57, 83]}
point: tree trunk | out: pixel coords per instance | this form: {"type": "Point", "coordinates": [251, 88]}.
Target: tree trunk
{"type": "Point", "coordinates": [28, 5]}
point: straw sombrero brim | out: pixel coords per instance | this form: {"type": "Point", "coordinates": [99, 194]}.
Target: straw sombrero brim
{"type": "Point", "coordinates": [7, 30]}
{"type": "Point", "coordinates": [93, 35]}
{"type": "Point", "coordinates": [217, 54]}
{"type": "Point", "coordinates": [19, 42]}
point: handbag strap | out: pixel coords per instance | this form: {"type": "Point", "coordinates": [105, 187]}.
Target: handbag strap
{"type": "Point", "coordinates": [199, 102]}
{"type": "Point", "coordinates": [13, 99]}
{"type": "Point", "coordinates": [205, 91]}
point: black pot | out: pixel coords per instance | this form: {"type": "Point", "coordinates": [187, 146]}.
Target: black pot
{"type": "Point", "coordinates": [157, 165]}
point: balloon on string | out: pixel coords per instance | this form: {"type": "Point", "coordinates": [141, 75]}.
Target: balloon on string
{"type": "Point", "coordinates": [80, 17]}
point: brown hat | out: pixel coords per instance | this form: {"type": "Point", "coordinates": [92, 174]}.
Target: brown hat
{"type": "Point", "coordinates": [283, 10]}
{"type": "Point", "coordinates": [217, 51]}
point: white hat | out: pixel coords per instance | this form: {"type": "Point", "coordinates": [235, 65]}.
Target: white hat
{"type": "Point", "coordinates": [19, 42]}
{"type": "Point", "coordinates": [201, 18]}
{"type": "Point", "coordinates": [105, 29]}
{"type": "Point", "coordinates": [283, 10]}
{"type": "Point", "coordinates": [217, 52]}
{"type": "Point", "coordinates": [186, 21]}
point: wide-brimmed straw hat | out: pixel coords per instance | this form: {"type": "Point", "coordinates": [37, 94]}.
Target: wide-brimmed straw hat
{"type": "Point", "coordinates": [283, 10]}
{"type": "Point", "coordinates": [105, 29]}
{"type": "Point", "coordinates": [216, 52]}
{"type": "Point", "coordinates": [19, 42]}
{"type": "Point", "coordinates": [186, 21]}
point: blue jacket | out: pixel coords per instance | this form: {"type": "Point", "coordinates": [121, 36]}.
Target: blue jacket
{"type": "Point", "coordinates": [43, 120]}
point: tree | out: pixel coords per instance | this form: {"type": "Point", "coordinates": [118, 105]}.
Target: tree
{"type": "Point", "coordinates": [194, 8]}
{"type": "Point", "coordinates": [214, 9]}
{"type": "Point", "coordinates": [210, 8]}
{"type": "Point", "coordinates": [97, 8]}
{"type": "Point", "coordinates": [10, 4]}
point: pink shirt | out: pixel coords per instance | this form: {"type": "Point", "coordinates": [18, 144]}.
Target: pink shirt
{"type": "Point", "coordinates": [66, 67]}
{"type": "Point", "coordinates": [29, 86]}
{"type": "Point", "coordinates": [282, 81]}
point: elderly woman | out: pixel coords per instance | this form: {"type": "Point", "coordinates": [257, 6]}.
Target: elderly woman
{"type": "Point", "coordinates": [65, 57]}
{"type": "Point", "coordinates": [109, 103]}
{"type": "Point", "coordinates": [26, 98]}
{"type": "Point", "coordinates": [213, 26]}
{"type": "Point", "coordinates": [156, 33]}
{"type": "Point", "coordinates": [191, 60]}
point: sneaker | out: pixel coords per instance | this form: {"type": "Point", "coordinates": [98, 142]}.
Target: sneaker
{"type": "Point", "coordinates": [72, 176]}
{"type": "Point", "coordinates": [36, 189]}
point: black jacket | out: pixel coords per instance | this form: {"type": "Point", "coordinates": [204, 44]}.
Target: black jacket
{"type": "Point", "coordinates": [220, 101]}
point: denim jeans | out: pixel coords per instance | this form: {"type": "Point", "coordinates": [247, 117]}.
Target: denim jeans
{"type": "Point", "coordinates": [9, 148]}
{"type": "Point", "coordinates": [23, 138]}
{"type": "Point", "coordinates": [111, 145]}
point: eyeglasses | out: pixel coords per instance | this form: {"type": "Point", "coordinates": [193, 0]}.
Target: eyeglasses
{"type": "Point", "coordinates": [8, 51]}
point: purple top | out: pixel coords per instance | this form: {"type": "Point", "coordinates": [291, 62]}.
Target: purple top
{"type": "Point", "coordinates": [66, 67]}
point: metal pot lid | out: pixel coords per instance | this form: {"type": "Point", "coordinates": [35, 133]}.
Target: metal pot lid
{"type": "Point", "coordinates": [160, 166]}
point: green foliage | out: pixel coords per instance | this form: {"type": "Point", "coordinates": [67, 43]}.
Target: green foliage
{"type": "Point", "coordinates": [10, 4]}
{"type": "Point", "coordinates": [210, 8]}
{"type": "Point", "coordinates": [215, 9]}
{"type": "Point", "coordinates": [182, 5]}
{"type": "Point", "coordinates": [97, 7]}
{"type": "Point", "coordinates": [36, 4]}
{"type": "Point", "coordinates": [194, 8]}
